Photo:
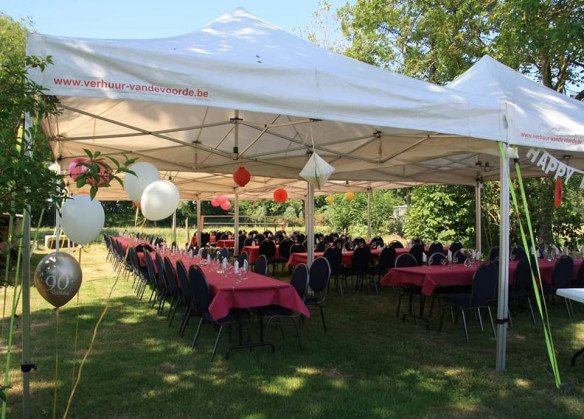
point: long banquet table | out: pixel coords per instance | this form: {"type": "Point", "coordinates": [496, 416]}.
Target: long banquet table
{"type": "Point", "coordinates": [302, 257]}
{"type": "Point", "coordinates": [237, 291]}
{"type": "Point", "coordinates": [253, 252]}
{"type": "Point", "coordinates": [432, 277]}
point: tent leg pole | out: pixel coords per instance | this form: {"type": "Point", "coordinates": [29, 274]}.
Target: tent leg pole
{"type": "Point", "coordinates": [502, 305]}
{"type": "Point", "coordinates": [369, 194]}
{"type": "Point", "coordinates": [236, 222]}
{"type": "Point", "coordinates": [478, 215]}
{"type": "Point", "coordinates": [174, 227]}
{"type": "Point", "coordinates": [310, 224]}
{"type": "Point", "coordinates": [199, 226]}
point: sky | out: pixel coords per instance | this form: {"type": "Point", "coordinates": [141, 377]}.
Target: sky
{"type": "Point", "coordinates": [115, 19]}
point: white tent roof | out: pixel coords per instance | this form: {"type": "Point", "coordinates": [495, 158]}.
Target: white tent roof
{"type": "Point", "coordinates": [537, 116]}
{"type": "Point", "coordinates": [184, 103]}
{"type": "Point", "coordinates": [267, 92]}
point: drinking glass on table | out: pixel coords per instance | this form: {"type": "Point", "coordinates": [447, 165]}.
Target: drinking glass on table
{"type": "Point", "coordinates": [444, 262]}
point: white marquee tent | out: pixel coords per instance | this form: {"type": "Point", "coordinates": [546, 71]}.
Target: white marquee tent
{"type": "Point", "coordinates": [241, 91]}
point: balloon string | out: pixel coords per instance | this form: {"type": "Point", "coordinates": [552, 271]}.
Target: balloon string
{"type": "Point", "coordinates": [56, 380]}
{"type": "Point", "coordinates": [76, 329]}
{"type": "Point", "coordinates": [88, 351]}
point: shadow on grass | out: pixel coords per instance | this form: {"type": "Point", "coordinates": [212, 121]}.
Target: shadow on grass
{"type": "Point", "coordinates": [368, 364]}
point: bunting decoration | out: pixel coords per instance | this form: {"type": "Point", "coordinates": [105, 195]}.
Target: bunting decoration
{"type": "Point", "coordinates": [551, 165]}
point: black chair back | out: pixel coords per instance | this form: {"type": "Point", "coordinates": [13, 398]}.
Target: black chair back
{"type": "Point", "coordinates": [183, 280]}
{"type": "Point", "coordinates": [377, 242]}
{"type": "Point", "coordinates": [396, 244]}
{"type": "Point", "coordinates": [455, 247]}
{"type": "Point", "coordinates": [150, 269]}
{"type": "Point", "coordinates": [241, 241]}
{"type": "Point", "coordinates": [268, 249]}
{"type": "Point", "coordinates": [349, 245]}
{"type": "Point", "coordinates": [320, 246]}
{"type": "Point", "coordinates": [563, 272]}
{"type": "Point", "coordinates": [523, 280]}
{"type": "Point", "coordinates": [248, 241]}
{"type": "Point", "coordinates": [334, 257]}
{"type": "Point", "coordinates": [319, 274]}
{"type": "Point", "coordinates": [360, 260]}
{"type": "Point", "coordinates": [299, 280]}
{"type": "Point", "coordinates": [284, 248]}
{"type": "Point", "coordinates": [518, 253]}
{"type": "Point", "coordinates": [459, 257]}
{"type": "Point", "coordinates": [260, 266]}
{"type": "Point", "coordinates": [580, 278]}
{"type": "Point", "coordinates": [417, 251]}
{"type": "Point", "coordinates": [436, 258]}
{"type": "Point", "coordinates": [204, 253]}
{"type": "Point", "coordinates": [386, 260]}
{"type": "Point", "coordinates": [170, 276]}
{"type": "Point", "coordinates": [405, 260]}
{"type": "Point", "coordinates": [484, 284]}
{"type": "Point", "coordinates": [494, 253]}
{"type": "Point", "coordinates": [241, 258]}
{"type": "Point", "coordinates": [297, 248]}
{"type": "Point", "coordinates": [159, 268]}
{"type": "Point", "coordinates": [200, 289]}
{"type": "Point", "coordinates": [436, 248]}
{"type": "Point", "coordinates": [359, 241]}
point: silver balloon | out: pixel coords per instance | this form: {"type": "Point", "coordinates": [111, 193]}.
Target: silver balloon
{"type": "Point", "coordinates": [58, 278]}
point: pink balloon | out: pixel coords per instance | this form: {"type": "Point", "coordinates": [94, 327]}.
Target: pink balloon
{"type": "Point", "coordinates": [214, 202]}
{"type": "Point", "coordinates": [221, 199]}
{"type": "Point", "coordinates": [226, 206]}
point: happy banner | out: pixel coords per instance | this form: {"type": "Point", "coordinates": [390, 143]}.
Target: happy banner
{"type": "Point", "coordinates": [549, 164]}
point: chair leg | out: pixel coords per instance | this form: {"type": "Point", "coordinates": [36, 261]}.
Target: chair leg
{"type": "Point", "coordinates": [442, 317]}
{"type": "Point", "coordinates": [322, 316]}
{"type": "Point", "coordinates": [480, 318]}
{"type": "Point", "coordinates": [295, 323]}
{"type": "Point", "coordinates": [216, 343]}
{"type": "Point", "coordinates": [492, 322]}
{"type": "Point", "coordinates": [568, 308]}
{"type": "Point", "coordinates": [197, 333]}
{"type": "Point", "coordinates": [401, 294]}
{"type": "Point", "coordinates": [464, 324]}
{"type": "Point", "coordinates": [531, 309]}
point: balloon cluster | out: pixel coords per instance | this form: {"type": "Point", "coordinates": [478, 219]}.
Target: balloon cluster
{"type": "Point", "coordinates": [221, 201]}
{"type": "Point", "coordinates": [157, 198]}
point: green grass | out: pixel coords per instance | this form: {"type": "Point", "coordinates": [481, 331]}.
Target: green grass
{"type": "Point", "coordinates": [368, 364]}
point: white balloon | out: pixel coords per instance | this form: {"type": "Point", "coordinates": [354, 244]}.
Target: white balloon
{"type": "Point", "coordinates": [159, 200]}
{"type": "Point", "coordinates": [82, 218]}
{"type": "Point", "coordinates": [146, 173]}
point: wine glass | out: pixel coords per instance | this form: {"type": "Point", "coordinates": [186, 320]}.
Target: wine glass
{"type": "Point", "coordinates": [444, 262]}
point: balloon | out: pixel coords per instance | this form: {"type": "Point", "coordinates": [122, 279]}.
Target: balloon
{"type": "Point", "coordinates": [330, 199]}
{"type": "Point", "coordinates": [280, 195]}
{"type": "Point", "coordinates": [82, 218]}
{"type": "Point", "coordinates": [349, 196]}
{"type": "Point", "coordinates": [146, 173]}
{"type": "Point", "coordinates": [58, 277]}
{"type": "Point", "coordinates": [221, 199]}
{"type": "Point", "coordinates": [214, 202]}
{"type": "Point", "coordinates": [226, 206]}
{"type": "Point", "coordinates": [159, 200]}
{"type": "Point", "coordinates": [105, 174]}
{"type": "Point", "coordinates": [241, 176]}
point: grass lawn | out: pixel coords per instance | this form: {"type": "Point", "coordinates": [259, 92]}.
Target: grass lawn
{"type": "Point", "coordinates": [368, 364]}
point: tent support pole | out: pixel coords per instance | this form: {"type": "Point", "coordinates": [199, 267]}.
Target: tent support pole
{"type": "Point", "coordinates": [199, 227]}
{"type": "Point", "coordinates": [369, 193]}
{"type": "Point", "coordinates": [174, 227]}
{"type": "Point", "coordinates": [478, 215]}
{"type": "Point", "coordinates": [236, 222]}
{"type": "Point", "coordinates": [310, 224]}
{"type": "Point", "coordinates": [26, 293]}
{"type": "Point", "coordinates": [502, 305]}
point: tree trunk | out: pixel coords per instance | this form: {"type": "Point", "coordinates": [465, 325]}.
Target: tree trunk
{"type": "Point", "coordinates": [545, 211]}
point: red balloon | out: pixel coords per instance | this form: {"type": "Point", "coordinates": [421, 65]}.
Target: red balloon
{"type": "Point", "coordinates": [226, 206]}
{"type": "Point", "coordinates": [214, 202]}
{"type": "Point", "coordinates": [77, 168]}
{"type": "Point", "coordinates": [241, 176]}
{"type": "Point", "coordinates": [558, 193]}
{"type": "Point", "coordinates": [280, 195]}
{"type": "Point", "coordinates": [221, 199]}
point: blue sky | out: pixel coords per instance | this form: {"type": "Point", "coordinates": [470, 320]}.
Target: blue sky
{"type": "Point", "coordinates": [150, 19]}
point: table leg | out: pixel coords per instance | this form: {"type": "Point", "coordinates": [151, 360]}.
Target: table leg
{"type": "Point", "coordinates": [573, 362]}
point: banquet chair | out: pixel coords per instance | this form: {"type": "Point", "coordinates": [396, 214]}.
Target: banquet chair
{"type": "Point", "coordinates": [455, 247]}
{"type": "Point", "coordinates": [360, 268]}
{"type": "Point", "coordinates": [172, 287]}
{"type": "Point", "coordinates": [224, 252]}
{"type": "Point", "coordinates": [153, 279]}
{"type": "Point", "coordinates": [396, 244]}
{"type": "Point", "coordinates": [320, 246]}
{"type": "Point", "coordinates": [377, 242]}
{"type": "Point", "coordinates": [335, 258]}
{"type": "Point", "coordinates": [164, 290]}
{"type": "Point", "coordinates": [417, 251]}
{"type": "Point", "coordinates": [406, 260]}
{"type": "Point", "coordinates": [518, 253]}
{"type": "Point", "coordinates": [241, 241]}
{"type": "Point", "coordinates": [318, 281]}
{"type": "Point", "coordinates": [459, 257]}
{"type": "Point", "coordinates": [276, 313]}
{"type": "Point", "coordinates": [241, 258]}
{"type": "Point", "coordinates": [386, 262]}
{"type": "Point", "coordinates": [359, 241]}
{"type": "Point", "coordinates": [349, 245]}
{"type": "Point", "coordinates": [284, 251]}
{"type": "Point", "coordinates": [260, 265]}
{"type": "Point", "coordinates": [268, 249]}
{"type": "Point", "coordinates": [202, 297]}
{"type": "Point", "coordinates": [248, 241]}
{"type": "Point", "coordinates": [436, 258]}
{"type": "Point", "coordinates": [522, 289]}
{"type": "Point", "coordinates": [435, 247]}
{"type": "Point", "coordinates": [561, 278]}
{"type": "Point", "coordinates": [483, 291]}
{"type": "Point", "coordinates": [185, 296]}
{"type": "Point", "coordinates": [494, 253]}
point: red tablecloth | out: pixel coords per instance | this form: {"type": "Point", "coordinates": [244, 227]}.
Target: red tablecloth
{"type": "Point", "coordinates": [126, 241]}
{"type": "Point", "coordinates": [253, 252]}
{"type": "Point", "coordinates": [432, 277]}
{"type": "Point", "coordinates": [230, 291]}
{"type": "Point", "coordinates": [298, 258]}
{"type": "Point", "coordinates": [226, 243]}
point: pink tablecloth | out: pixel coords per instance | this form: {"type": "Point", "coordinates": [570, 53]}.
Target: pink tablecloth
{"type": "Point", "coordinates": [298, 258]}
{"type": "Point", "coordinates": [230, 291]}
{"type": "Point", "coordinates": [432, 277]}
{"type": "Point", "coordinates": [253, 252]}
{"type": "Point", "coordinates": [226, 243]}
